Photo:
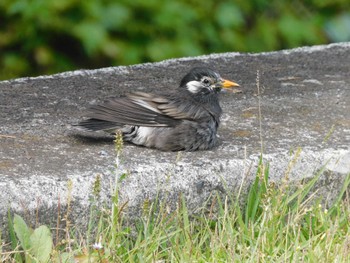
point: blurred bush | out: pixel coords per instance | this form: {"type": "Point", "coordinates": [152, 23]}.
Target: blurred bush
{"type": "Point", "coordinates": [45, 36]}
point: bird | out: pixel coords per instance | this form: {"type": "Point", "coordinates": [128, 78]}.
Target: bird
{"type": "Point", "coordinates": [185, 118]}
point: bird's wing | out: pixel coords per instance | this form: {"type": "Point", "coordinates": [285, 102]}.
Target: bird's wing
{"type": "Point", "coordinates": [138, 108]}
{"type": "Point", "coordinates": [162, 105]}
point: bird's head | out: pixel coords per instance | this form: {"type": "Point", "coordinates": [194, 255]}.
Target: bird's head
{"type": "Point", "coordinates": [204, 81]}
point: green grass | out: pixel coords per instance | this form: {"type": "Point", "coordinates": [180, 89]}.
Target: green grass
{"type": "Point", "coordinates": [277, 224]}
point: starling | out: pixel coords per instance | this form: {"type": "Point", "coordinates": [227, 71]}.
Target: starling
{"type": "Point", "coordinates": [184, 119]}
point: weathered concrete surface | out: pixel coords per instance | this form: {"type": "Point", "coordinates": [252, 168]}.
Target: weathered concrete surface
{"type": "Point", "coordinates": [305, 102]}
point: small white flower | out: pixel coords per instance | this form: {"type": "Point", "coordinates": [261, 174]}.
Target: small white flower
{"type": "Point", "coordinates": [97, 246]}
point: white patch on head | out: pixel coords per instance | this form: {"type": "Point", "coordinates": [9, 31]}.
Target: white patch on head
{"type": "Point", "coordinates": [194, 86]}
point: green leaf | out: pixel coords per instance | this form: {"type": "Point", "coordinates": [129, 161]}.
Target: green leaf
{"type": "Point", "coordinates": [22, 232]}
{"type": "Point", "coordinates": [115, 16]}
{"type": "Point", "coordinates": [92, 35]}
{"type": "Point", "coordinates": [266, 31]}
{"type": "Point", "coordinates": [256, 192]}
{"type": "Point", "coordinates": [229, 15]}
{"type": "Point", "coordinates": [299, 196]}
{"type": "Point", "coordinates": [338, 28]}
{"type": "Point", "coordinates": [64, 258]}
{"type": "Point", "coordinates": [13, 238]}
{"type": "Point", "coordinates": [41, 242]}
{"type": "Point", "coordinates": [252, 201]}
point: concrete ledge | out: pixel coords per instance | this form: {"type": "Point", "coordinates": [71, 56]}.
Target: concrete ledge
{"type": "Point", "coordinates": [304, 100]}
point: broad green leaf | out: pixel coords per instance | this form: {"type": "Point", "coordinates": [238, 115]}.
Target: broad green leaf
{"type": "Point", "coordinates": [22, 232]}
{"type": "Point", "coordinates": [41, 242]}
{"type": "Point", "coordinates": [12, 234]}
{"type": "Point", "coordinates": [13, 238]}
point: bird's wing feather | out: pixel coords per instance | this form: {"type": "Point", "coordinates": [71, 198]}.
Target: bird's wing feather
{"type": "Point", "coordinates": [161, 105]}
{"type": "Point", "coordinates": [139, 108]}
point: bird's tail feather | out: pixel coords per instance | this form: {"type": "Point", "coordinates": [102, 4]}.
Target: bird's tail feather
{"type": "Point", "coordinates": [98, 125]}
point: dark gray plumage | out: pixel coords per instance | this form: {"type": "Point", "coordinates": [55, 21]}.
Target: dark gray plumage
{"type": "Point", "coordinates": [184, 119]}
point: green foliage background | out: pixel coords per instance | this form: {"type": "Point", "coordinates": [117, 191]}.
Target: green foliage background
{"type": "Point", "coordinates": [47, 36]}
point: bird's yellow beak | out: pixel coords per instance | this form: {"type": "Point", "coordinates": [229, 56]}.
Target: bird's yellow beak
{"type": "Point", "coordinates": [229, 84]}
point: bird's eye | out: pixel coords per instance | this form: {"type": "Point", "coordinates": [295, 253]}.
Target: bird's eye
{"type": "Point", "coordinates": [206, 81]}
